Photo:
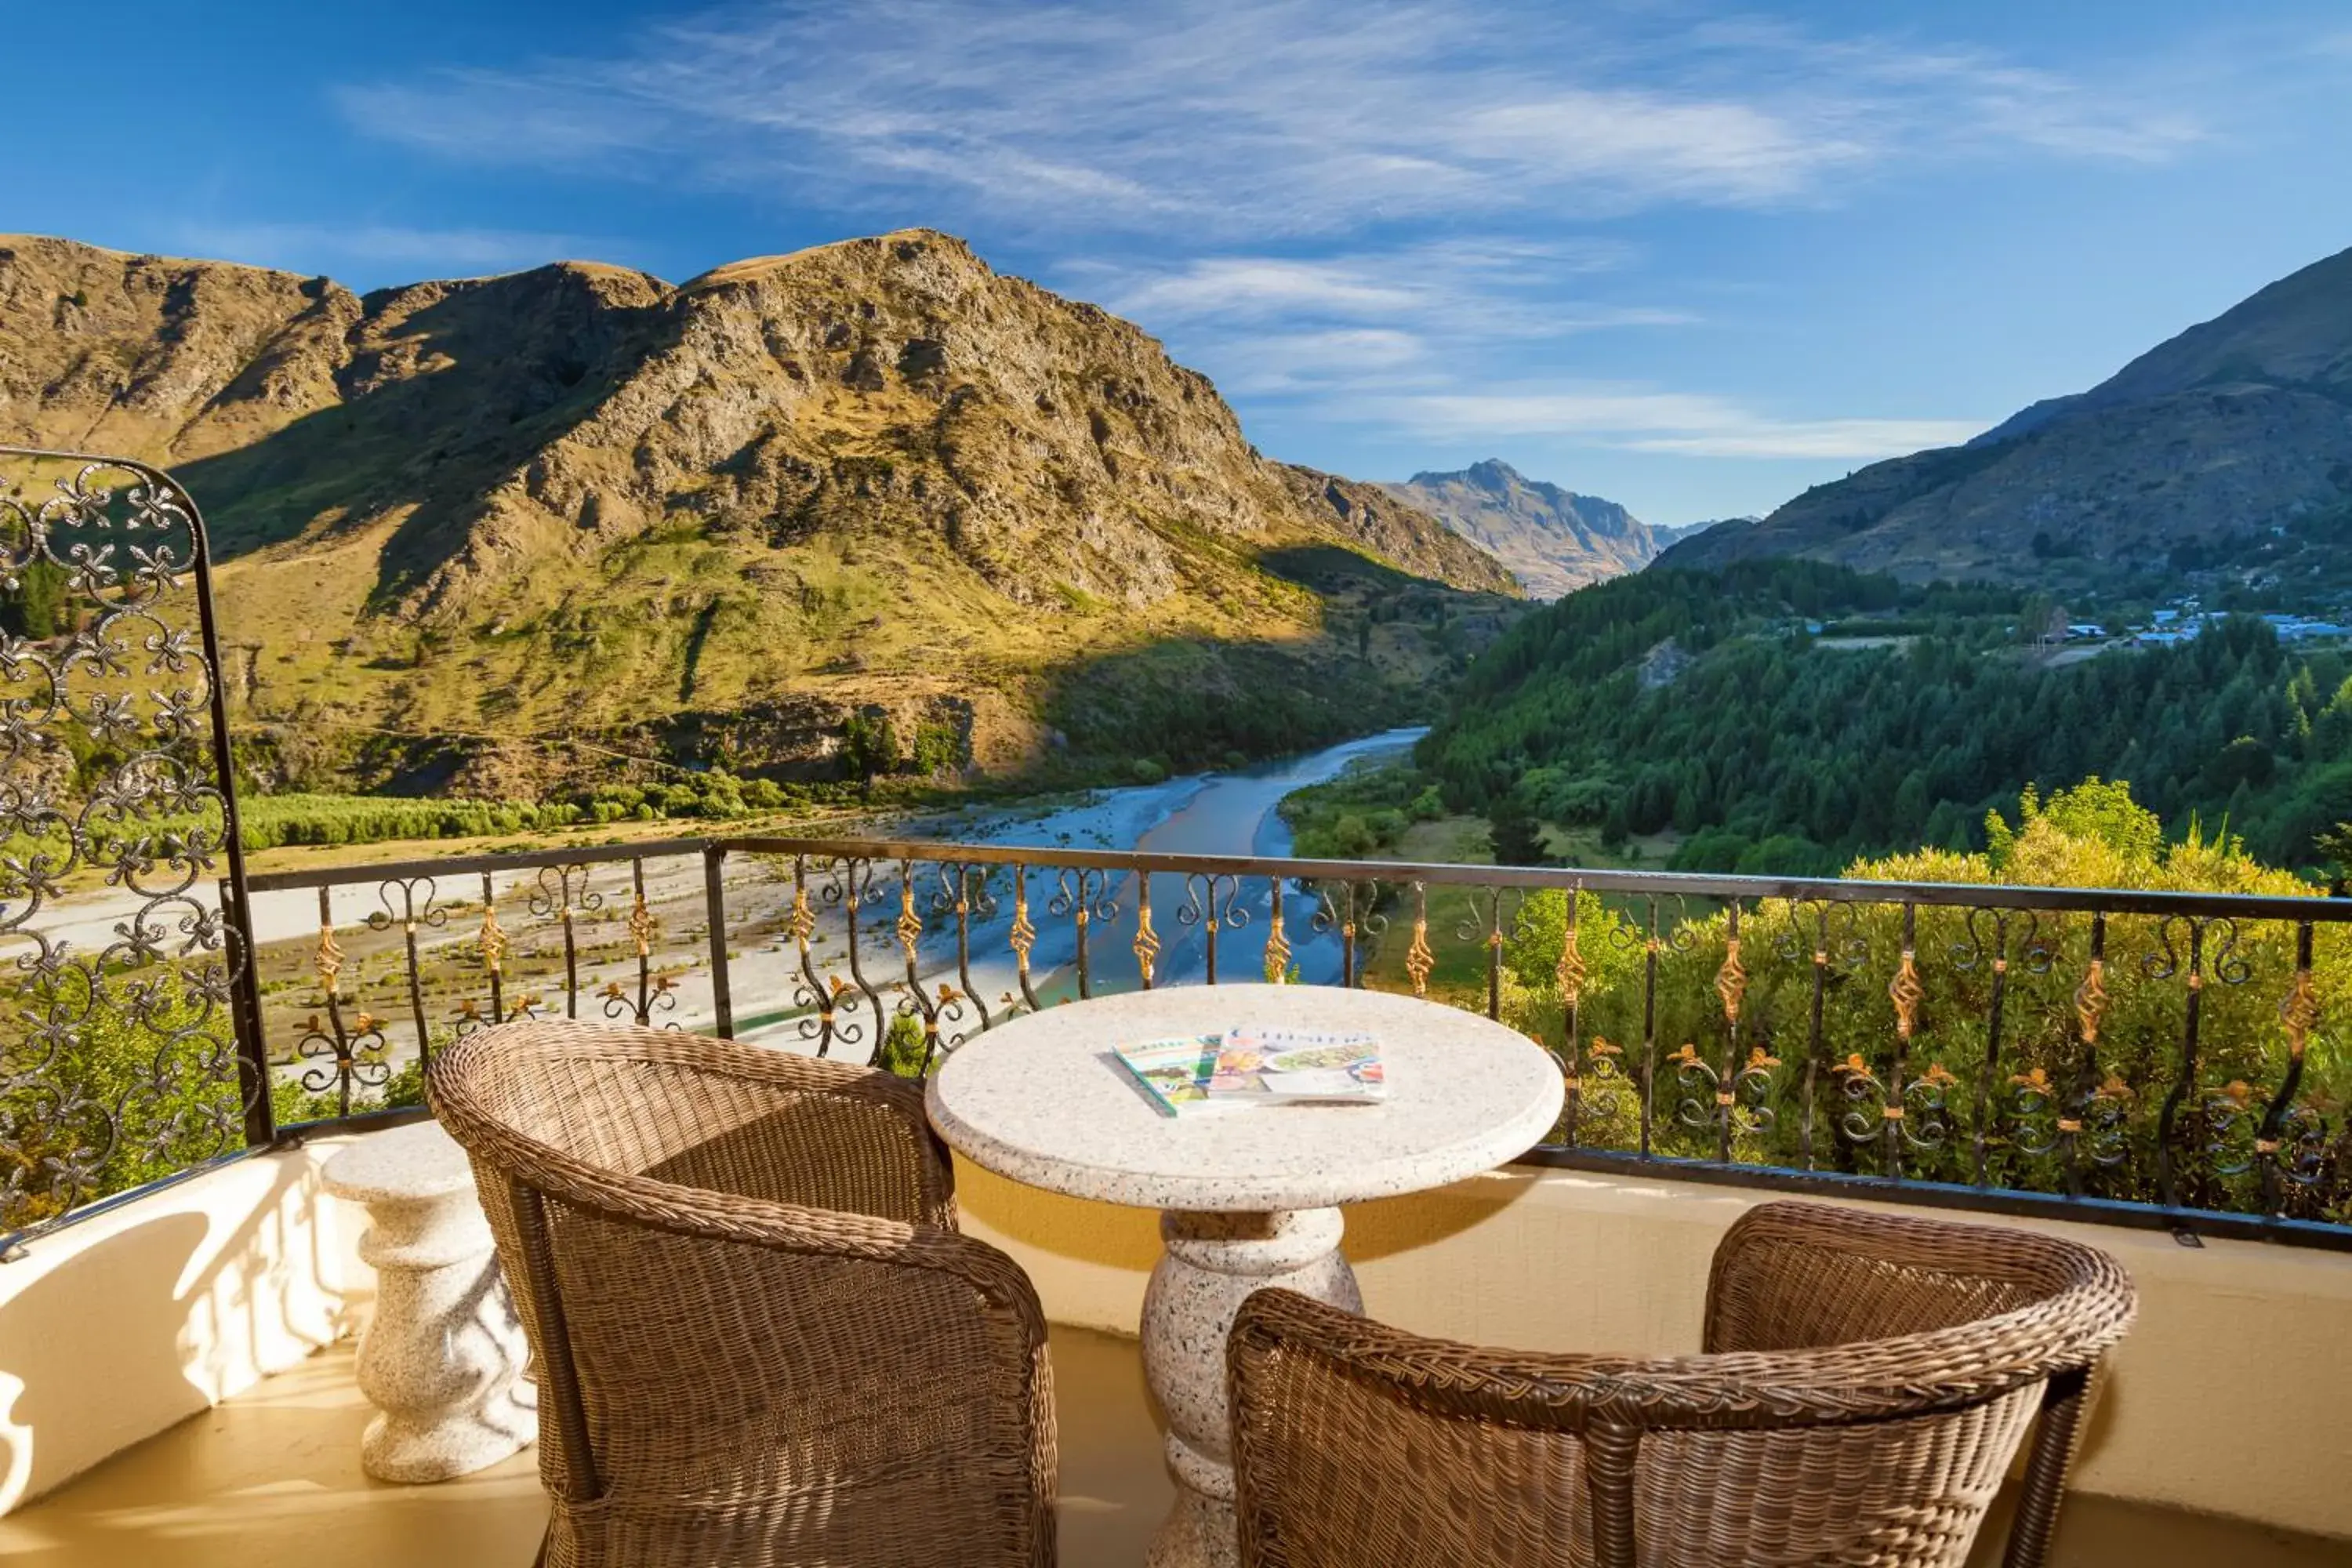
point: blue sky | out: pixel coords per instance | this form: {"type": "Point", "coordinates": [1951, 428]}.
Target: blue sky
{"type": "Point", "coordinates": [1690, 256]}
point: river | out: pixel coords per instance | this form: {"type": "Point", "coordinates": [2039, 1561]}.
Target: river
{"type": "Point", "coordinates": [1229, 813]}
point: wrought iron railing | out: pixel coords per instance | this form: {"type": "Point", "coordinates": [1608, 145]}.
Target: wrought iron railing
{"type": "Point", "coordinates": [128, 1046]}
{"type": "Point", "coordinates": [2153, 1059]}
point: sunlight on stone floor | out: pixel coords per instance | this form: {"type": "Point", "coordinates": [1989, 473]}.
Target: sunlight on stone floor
{"type": "Point", "coordinates": [272, 1478]}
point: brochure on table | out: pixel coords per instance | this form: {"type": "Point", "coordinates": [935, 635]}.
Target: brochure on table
{"type": "Point", "coordinates": [1257, 1064]}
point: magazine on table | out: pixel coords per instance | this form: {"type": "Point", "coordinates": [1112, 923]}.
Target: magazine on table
{"type": "Point", "coordinates": [1258, 1065]}
{"type": "Point", "coordinates": [1173, 1072]}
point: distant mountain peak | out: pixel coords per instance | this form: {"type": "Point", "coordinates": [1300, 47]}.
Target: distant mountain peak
{"type": "Point", "coordinates": [2235, 427]}
{"type": "Point", "coordinates": [1553, 540]}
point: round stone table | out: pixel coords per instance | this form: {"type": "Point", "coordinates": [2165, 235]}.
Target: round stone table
{"type": "Point", "coordinates": [1249, 1198]}
{"type": "Point", "coordinates": [442, 1356]}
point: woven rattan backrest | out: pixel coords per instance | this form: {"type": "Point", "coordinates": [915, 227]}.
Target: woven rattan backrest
{"type": "Point", "coordinates": [1873, 1375]}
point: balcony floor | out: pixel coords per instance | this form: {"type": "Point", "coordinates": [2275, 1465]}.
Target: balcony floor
{"type": "Point", "coordinates": [272, 1477]}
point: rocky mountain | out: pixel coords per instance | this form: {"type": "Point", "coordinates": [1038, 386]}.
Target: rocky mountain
{"type": "Point", "coordinates": [2237, 427]}
{"type": "Point", "coordinates": [464, 522]}
{"type": "Point", "coordinates": [1554, 541]}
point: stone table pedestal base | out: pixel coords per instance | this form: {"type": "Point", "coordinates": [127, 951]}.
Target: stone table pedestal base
{"type": "Point", "coordinates": [1213, 1263]}
{"type": "Point", "coordinates": [443, 1356]}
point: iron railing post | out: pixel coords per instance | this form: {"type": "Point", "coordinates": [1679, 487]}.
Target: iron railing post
{"type": "Point", "coordinates": [714, 899]}
{"type": "Point", "coordinates": [244, 1020]}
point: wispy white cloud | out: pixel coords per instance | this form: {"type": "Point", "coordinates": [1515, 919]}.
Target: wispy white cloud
{"type": "Point", "coordinates": [1642, 419]}
{"type": "Point", "coordinates": [1254, 117]}
{"type": "Point", "coordinates": [1379, 213]}
{"type": "Point", "coordinates": [312, 247]}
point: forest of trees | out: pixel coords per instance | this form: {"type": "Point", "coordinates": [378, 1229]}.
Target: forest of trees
{"type": "Point", "coordinates": [1705, 703]}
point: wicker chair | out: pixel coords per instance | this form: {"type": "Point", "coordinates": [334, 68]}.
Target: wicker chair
{"type": "Point", "coordinates": [760, 1339]}
{"type": "Point", "coordinates": [1866, 1381]}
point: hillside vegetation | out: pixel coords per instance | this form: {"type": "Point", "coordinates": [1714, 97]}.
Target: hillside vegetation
{"type": "Point", "coordinates": [1701, 702]}
{"type": "Point", "coordinates": [492, 538]}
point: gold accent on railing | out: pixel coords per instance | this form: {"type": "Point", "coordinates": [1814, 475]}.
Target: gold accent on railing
{"type": "Point", "coordinates": [2091, 1000]}
{"type": "Point", "coordinates": [1892, 1113]}
{"type": "Point", "coordinates": [2068, 1124]}
{"type": "Point", "coordinates": [494, 939]}
{"type": "Point", "coordinates": [1418, 960]}
{"type": "Point", "coordinates": [1571, 970]}
{"type": "Point", "coordinates": [2299, 1013]}
{"type": "Point", "coordinates": [642, 926]}
{"type": "Point", "coordinates": [1146, 941]}
{"type": "Point", "coordinates": [910, 924]}
{"type": "Point", "coordinates": [1731, 981]}
{"type": "Point", "coordinates": [1907, 993]}
{"type": "Point", "coordinates": [329, 959]}
{"type": "Point", "coordinates": [802, 921]}
{"type": "Point", "coordinates": [1687, 1056]}
{"type": "Point", "coordinates": [1277, 947]}
{"type": "Point", "coordinates": [1760, 1060]}
{"type": "Point", "coordinates": [1023, 936]}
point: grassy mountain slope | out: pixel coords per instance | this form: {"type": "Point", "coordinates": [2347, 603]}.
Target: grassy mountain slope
{"type": "Point", "coordinates": [2236, 427]}
{"type": "Point", "coordinates": [465, 522]}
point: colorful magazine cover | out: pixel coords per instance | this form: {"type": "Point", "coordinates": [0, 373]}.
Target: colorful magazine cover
{"type": "Point", "coordinates": [1292, 1065]}
{"type": "Point", "coordinates": [1174, 1072]}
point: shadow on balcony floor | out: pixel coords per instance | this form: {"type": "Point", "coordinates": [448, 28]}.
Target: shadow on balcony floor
{"type": "Point", "coordinates": [271, 1479]}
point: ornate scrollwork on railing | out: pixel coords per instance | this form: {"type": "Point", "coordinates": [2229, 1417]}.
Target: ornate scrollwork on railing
{"type": "Point", "coordinates": [1212, 904]}
{"type": "Point", "coordinates": [2291, 1144]}
{"type": "Point", "coordinates": [399, 903]}
{"type": "Point", "coordinates": [1493, 916]}
{"type": "Point", "coordinates": [1082, 896]}
{"type": "Point", "coordinates": [2190, 947]}
{"type": "Point", "coordinates": [1352, 909]}
{"type": "Point", "coordinates": [1830, 935]}
{"type": "Point", "coordinates": [113, 769]}
{"type": "Point", "coordinates": [1989, 938]}
{"type": "Point", "coordinates": [563, 894]}
{"type": "Point", "coordinates": [965, 895]}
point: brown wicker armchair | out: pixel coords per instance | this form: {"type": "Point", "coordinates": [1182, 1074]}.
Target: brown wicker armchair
{"type": "Point", "coordinates": [760, 1339]}
{"type": "Point", "coordinates": [1868, 1380]}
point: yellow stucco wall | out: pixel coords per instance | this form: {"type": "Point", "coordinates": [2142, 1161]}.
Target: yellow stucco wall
{"type": "Point", "coordinates": [2233, 1395]}
{"type": "Point", "coordinates": [114, 1328]}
